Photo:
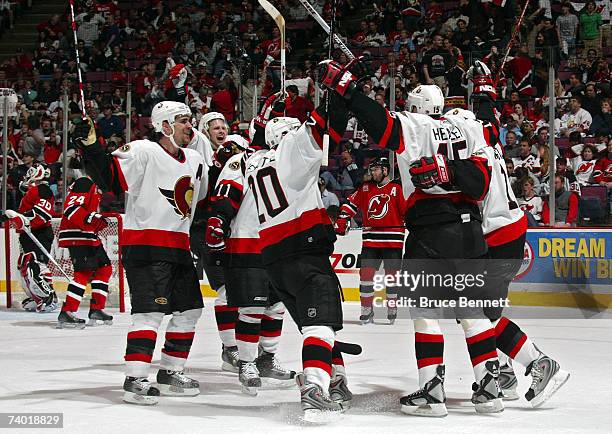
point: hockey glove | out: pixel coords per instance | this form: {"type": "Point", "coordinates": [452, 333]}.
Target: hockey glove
{"type": "Point", "coordinates": [342, 225]}
{"type": "Point", "coordinates": [98, 221]}
{"type": "Point", "coordinates": [19, 221]}
{"type": "Point", "coordinates": [334, 76]}
{"type": "Point", "coordinates": [480, 74]}
{"type": "Point", "coordinates": [84, 133]}
{"type": "Point", "coordinates": [215, 234]}
{"type": "Point", "coordinates": [430, 171]}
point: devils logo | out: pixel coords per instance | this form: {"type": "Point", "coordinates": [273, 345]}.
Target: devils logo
{"type": "Point", "coordinates": [180, 198]}
{"type": "Point", "coordinates": [378, 206]}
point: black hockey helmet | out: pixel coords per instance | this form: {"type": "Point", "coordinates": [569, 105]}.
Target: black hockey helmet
{"type": "Point", "coordinates": [380, 162]}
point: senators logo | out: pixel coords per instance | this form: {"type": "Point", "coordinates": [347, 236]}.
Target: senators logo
{"type": "Point", "coordinates": [378, 206]}
{"type": "Point", "coordinates": [180, 198]}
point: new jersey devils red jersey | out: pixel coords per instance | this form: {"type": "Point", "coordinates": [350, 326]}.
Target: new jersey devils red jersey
{"type": "Point", "coordinates": [83, 199]}
{"type": "Point", "coordinates": [37, 205]}
{"type": "Point", "coordinates": [603, 170]}
{"type": "Point", "coordinates": [383, 208]}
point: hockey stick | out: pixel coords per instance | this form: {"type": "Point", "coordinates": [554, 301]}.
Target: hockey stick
{"type": "Point", "coordinates": [348, 348]}
{"type": "Point", "coordinates": [78, 61]}
{"type": "Point", "coordinates": [280, 23]}
{"type": "Point", "coordinates": [47, 254]}
{"type": "Point", "coordinates": [511, 42]}
{"type": "Point", "coordinates": [325, 148]}
{"type": "Point", "coordinates": [319, 19]}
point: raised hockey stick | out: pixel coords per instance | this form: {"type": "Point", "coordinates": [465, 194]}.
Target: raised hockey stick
{"type": "Point", "coordinates": [319, 19]}
{"type": "Point", "coordinates": [325, 149]}
{"type": "Point", "coordinates": [280, 23]}
{"type": "Point", "coordinates": [511, 42]}
{"type": "Point", "coordinates": [78, 60]}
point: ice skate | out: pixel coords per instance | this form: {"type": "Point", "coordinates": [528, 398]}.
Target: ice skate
{"type": "Point", "coordinates": [367, 315]}
{"type": "Point", "coordinates": [318, 408]}
{"type": "Point", "coordinates": [487, 396]}
{"type": "Point", "coordinates": [249, 377]}
{"type": "Point", "coordinates": [175, 383]}
{"type": "Point", "coordinates": [139, 391]}
{"type": "Point", "coordinates": [508, 382]}
{"type": "Point", "coordinates": [99, 315]}
{"type": "Point", "coordinates": [392, 314]}
{"type": "Point", "coordinates": [547, 378]}
{"type": "Point", "coordinates": [48, 304]}
{"type": "Point", "coordinates": [339, 391]}
{"type": "Point", "coordinates": [69, 320]}
{"type": "Point", "coordinates": [229, 357]}
{"type": "Point", "coordinates": [272, 374]}
{"type": "Point", "coordinates": [430, 401]}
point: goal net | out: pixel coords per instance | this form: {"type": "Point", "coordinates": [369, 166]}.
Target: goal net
{"type": "Point", "coordinates": [110, 241]}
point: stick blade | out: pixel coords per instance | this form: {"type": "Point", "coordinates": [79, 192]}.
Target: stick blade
{"type": "Point", "coordinates": [272, 11]}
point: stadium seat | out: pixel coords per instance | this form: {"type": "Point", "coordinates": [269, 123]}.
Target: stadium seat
{"type": "Point", "coordinates": [593, 203]}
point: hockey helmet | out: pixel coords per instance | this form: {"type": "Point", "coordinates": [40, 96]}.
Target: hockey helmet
{"type": "Point", "coordinates": [380, 162]}
{"type": "Point", "coordinates": [168, 111]}
{"type": "Point", "coordinates": [426, 99]}
{"type": "Point", "coordinates": [38, 172]}
{"type": "Point", "coordinates": [207, 119]}
{"type": "Point", "coordinates": [236, 142]}
{"type": "Point", "coordinates": [277, 128]}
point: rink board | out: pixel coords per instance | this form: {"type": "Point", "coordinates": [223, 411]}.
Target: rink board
{"type": "Point", "coordinates": [566, 268]}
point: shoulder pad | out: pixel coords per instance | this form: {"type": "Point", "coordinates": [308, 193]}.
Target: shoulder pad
{"type": "Point", "coordinates": [44, 191]}
{"type": "Point", "coordinates": [82, 185]}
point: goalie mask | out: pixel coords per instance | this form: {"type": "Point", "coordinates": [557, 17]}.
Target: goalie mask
{"type": "Point", "coordinates": [426, 100]}
{"type": "Point", "coordinates": [278, 128]}
{"type": "Point", "coordinates": [36, 174]}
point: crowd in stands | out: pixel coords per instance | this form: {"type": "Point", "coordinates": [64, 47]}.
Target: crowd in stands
{"type": "Point", "coordinates": [225, 48]}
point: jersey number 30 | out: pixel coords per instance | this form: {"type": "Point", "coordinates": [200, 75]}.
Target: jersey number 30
{"type": "Point", "coordinates": [267, 182]}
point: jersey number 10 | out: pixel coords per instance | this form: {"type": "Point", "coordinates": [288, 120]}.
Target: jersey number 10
{"type": "Point", "coordinates": [266, 180]}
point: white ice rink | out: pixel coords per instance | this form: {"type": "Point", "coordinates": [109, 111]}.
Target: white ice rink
{"type": "Point", "coordinates": [80, 373]}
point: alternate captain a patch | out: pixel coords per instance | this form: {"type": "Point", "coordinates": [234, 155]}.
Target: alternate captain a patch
{"type": "Point", "coordinates": [180, 198]}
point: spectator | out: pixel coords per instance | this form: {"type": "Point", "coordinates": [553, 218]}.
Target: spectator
{"type": "Point", "coordinates": [110, 124]}
{"type": "Point", "coordinates": [602, 174]}
{"type": "Point", "coordinates": [577, 119]}
{"type": "Point", "coordinates": [590, 22]}
{"type": "Point", "coordinates": [511, 125]}
{"type": "Point", "coordinates": [591, 101]}
{"type": "Point", "coordinates": [526, 158]}
{"type": "Point", "coordinates": [583, 164]}
{"type": "Point", "coordinates": [222, 101]}
{"type": "Point", "coordinates": [571, 183]}
{"type": "Point", "coordinates": [52, 149]}
{"type": "Point", "coordinates": [349, 176]}
{"type": "Point", "coordinates": [529, 202]}
{"type": "Point", "coordinates": [329, 198]}
{"type": "Point", "coordinates": [436, 61]}
{"type": "Point", "coordinates": [566, 206]}
{"type": "Point", "coordinates": [602, 123]}
{"type": "Point", "coordinates": [567, 26]}
{"type": "Point", "coordinates": [297, 106]}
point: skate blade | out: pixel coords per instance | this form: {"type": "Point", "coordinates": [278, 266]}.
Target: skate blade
{"type": "Point", "coordinates": [492, 406]}
{"type": "Point", "coordinates": [228, 367]}
{"type": "Point", "coordinates": [319, 417]}
{"type": "Point", "coordinates": [63, 325]}
{"type": "Point", "coordinates": [391, 321]}
{"type": "Point", "coordinates": [368, 321]}
{"type": "Point", "coordinates": [555, 383]}
{"type": "Point", "coordinates": [251, 391]}
{"type": "Point", "coordinates": [97, 322]}
{"type": "Point", "coordinates": [134, 398]}
{"type": "Point", "coordinates": [268, 383]}
{"type": "Point", "coordinates": [170, 390]}
{"type": "Point", "coordinates": [346, 404]}
{"type": "Point", "coordinates": [428, 410]}
{"type": "Point", "coordinates": [510, 395]}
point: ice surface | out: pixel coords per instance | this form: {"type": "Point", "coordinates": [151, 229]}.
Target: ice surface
{"type": "Point", "coordinates": [80, 373]}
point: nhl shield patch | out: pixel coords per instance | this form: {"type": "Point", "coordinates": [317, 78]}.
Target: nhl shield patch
{"type": "Point", "coordinates": [312, 312]}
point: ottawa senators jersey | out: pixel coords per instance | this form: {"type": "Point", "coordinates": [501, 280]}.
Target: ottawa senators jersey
{"type": "Point", "coordinates": [233, 199]}
{"type": "Point", "coordinates": [83, 199]}
{"type": "Point", "coordinates": [383, 208]}
{"type": "Point", "coordinates": [159, 191]}
{"type": "Point", "coordinates": [37, 206]}
{"type": "Point", "coordinates": [502, 219]}
{"type": "Point", "coordinates": [284, 182]}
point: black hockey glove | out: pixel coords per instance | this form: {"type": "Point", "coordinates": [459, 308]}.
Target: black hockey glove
{"type": "Point", "coordinates": [84, 133]}
{"type": "Point", "coordinates": [430, 171]}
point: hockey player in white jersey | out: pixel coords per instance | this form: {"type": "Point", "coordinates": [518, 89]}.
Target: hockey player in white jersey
{"type": "Point", "coordinates": [505, 227]}
{"type": "Point", "coordinates": [161, 181]}
{"type": "Point", "coordinates": [296, 239]}
{"type": "Point", "coordinates": [445, 173]}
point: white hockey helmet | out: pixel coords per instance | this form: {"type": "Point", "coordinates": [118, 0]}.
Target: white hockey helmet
{"type": "Point", "coordinates": [168, 111]}
{"type": "Point", "coordinates": [465, 114]}
{"type": "Point", "coordinates": [277, 128]}
{"type": "Point", "coordinates": [38, 172]}
{"type": "Point", "coordinates": [238, 140]}
{"type": "Point", "coordinates": [426, 99]}
{"type": "Point", "coordinates": [207, 118]}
